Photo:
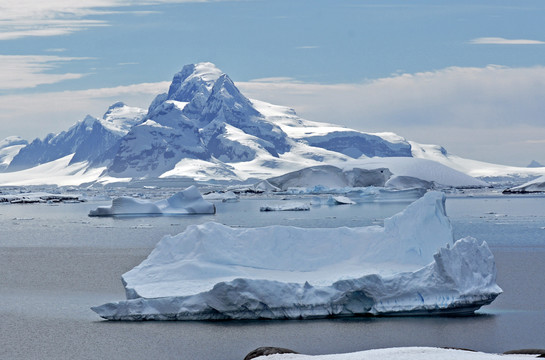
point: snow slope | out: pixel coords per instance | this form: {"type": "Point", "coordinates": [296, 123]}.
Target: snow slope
{"type": "Point", "coordinates": [212, 271]}
{"type": "Point", "coordinates": [61, 172]}
{"type": "Point", "coordinates": [405, 353]}
{"type": "Point", "coordinates": [479, 169]}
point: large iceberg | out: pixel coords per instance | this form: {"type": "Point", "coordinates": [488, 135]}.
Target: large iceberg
{"type": "Point", "coordinates": [409, 266]}
{"type": "Point", "coordinates": [188, 201]}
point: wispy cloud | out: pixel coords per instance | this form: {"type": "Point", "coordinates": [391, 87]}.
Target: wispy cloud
{"type": "Point", "coordinates": [56, 50]}
{"type": "Point", "coordinates": [29, 71]}
{"type": "Point", "coordinates": [474, 112]}
{"type": "Point", "coordinates": [503, 41]}
{"type": "Point", "coordinates": [25, 18]}
{"type": "Point", "coordinates": [535, 141]}
{"type": "Point", "coordinates": [278, 79]}
{"type": "Point", "coordinates": [306, 47]}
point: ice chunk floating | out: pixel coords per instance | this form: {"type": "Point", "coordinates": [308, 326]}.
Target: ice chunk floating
{"type": "Point", "coordinates": [409, 266]}
{"type": "Point", "coordinates": [188, 201]}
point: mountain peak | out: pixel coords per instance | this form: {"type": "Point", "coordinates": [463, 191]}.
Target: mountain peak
{"type": "Point", "coordinates": [89, 121]}
{"type": "Point", "coordinates": [534, 164]}
{"type": "Point", "coordinates": [225, 95]}
{"type": "Point", "coordinates": [192, 80]}
{"type": "Point", "coordinates": [118, 104]}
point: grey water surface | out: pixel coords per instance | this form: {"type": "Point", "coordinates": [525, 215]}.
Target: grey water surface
{"type": "Point", "coordinates": [56, 262]}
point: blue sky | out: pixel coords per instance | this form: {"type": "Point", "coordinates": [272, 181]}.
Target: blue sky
{"type": "Point", "coordinates": [468, 75]}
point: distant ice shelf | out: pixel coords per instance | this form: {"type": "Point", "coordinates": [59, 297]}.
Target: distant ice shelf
{"type": "Point", "coordinates": [411, 266]}
{"type": "Point", "coordinates": [39, 197]}
{"type": "Point", "coordinates": [188, 201]}
{"type": "Point", "coordinates": [290, 206]}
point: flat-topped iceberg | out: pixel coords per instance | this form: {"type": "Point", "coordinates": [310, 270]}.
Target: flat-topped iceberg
{"type": "Point", "coordinates": [409, 266]}
{"type": "Point", "coordinates": [188, 201]}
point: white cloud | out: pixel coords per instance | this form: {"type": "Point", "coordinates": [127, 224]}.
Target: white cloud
{"type": "Point", "coordinates": [36, 115]}
{"type": "Point", "coordinates": [486, 113]}
{"type": "Point", "coordinates": [28, 71]}
{"type": "Point", "coordinates": [502, 41]}
{"type": "Point", "coordinates": [58, 50]}
{"type": "Point", "coordinates": [24, 18]}
{"type": "Point", "coordinates": [469, 97]}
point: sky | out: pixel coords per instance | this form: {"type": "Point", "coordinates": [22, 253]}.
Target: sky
{"type": "Point", "coordinates": [467, 75]}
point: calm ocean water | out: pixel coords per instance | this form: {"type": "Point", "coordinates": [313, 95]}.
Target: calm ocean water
{"type": "Point", "coordinates": [55, 262]}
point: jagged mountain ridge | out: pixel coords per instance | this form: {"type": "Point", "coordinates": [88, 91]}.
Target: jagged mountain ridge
{"type": "Point", "coordinates": [89, 140]}
{"type": "Point", "coordinates": [205, 117]}
{"type": "Point", "coordinates": [205, 128]}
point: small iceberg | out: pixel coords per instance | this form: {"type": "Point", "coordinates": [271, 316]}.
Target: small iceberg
{"type": "Point", "coordinates": [188, 201]}
{"type": "Point", "coordinates": [411, 266]}
{"type": "Point", "coordinates": [227, 196]}
{"type": "Point", "coordinates": [339, 200]}
{"type": "Point", "coordinates": [286, 207]}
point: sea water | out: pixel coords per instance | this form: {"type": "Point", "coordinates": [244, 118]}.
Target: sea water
{"type": "Point", "coordinates": [56, 262]}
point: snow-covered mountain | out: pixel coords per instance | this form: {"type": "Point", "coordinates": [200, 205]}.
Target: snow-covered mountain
{"type": "Point", "coordinates": [534, 164]}
{"type": "Point", "coordinates": [204, 118]}
{"type": "Point", "coordinates": [204, 128]}
{"type": "Point", "coordinates": [92, 140]}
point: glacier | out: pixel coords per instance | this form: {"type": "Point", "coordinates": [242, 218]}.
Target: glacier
{"type": "Point", "coordinates": [411, 265]}
{"type": "Point", "coordinates": [188, 201]}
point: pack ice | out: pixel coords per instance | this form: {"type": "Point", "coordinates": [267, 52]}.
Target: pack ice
{"type": "Point", "coordinates": [409, 266]}
{"type": "Point", "coordinates": [188, 201]}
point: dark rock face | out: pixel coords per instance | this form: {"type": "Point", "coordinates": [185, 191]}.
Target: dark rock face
{"type": "Point", "coordinates": [268, 350]}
